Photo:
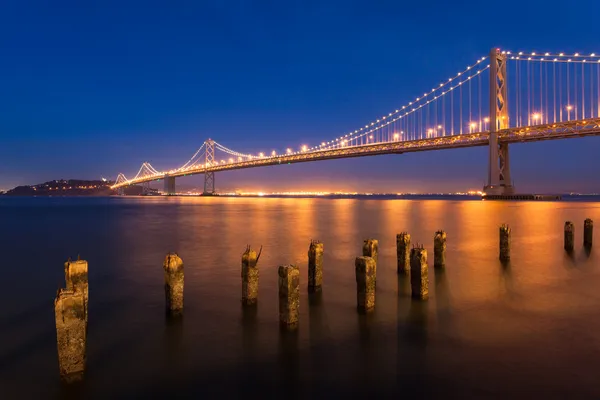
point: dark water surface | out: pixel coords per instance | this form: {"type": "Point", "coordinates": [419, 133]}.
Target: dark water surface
{"type": "Point", "coordinates": [529, 329]}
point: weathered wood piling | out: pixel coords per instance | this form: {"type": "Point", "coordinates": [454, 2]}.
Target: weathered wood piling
{"type": "Point", "coordinates": [419, 280]}
{"type": "Point", "coordinates": [173, 267]}
{"type": "Point", "coordinates": [315, 266]}
{"type": "Point", "coordinates": [289, 296]}
{"type": "Point", "coordinates": [250, 276]}
{"type": "Point", "coordinates": [71, 330]}
{"type": "Point", "coordinates": [403, 252]}
{"type": "Point", "coordinates": [504, 242]}
{"type": "Point", "coordinates": [371, 249]}
{"type": "Point", "coordinates": [365, 270]}
{"type": "Point", "coordinates": [588, 231]}
{"type": "Point", "coordinates": [76, 280]}
{"type": "Point", "coordinates": [439, 249]}
{"type": "Point", "coordinates": [569, 236]}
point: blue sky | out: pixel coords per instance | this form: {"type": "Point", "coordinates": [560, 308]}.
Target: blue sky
{"type": "Point", "coordinates": [93, 90]}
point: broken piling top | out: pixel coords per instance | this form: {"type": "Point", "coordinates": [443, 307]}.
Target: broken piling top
{"type": "Point", "coordinates": [371, 248]}
{"type": "Point", "coordinates": [173, 263]}
{"type": "Point", "coordinates": [315, 249]}
{"type": "Point", "coordinates": [440, 235]}
{"type": "Point", "coordinates": [403, 237]}
{"type": "Point", "coordinates": [418, 252]}
{"type": "Point", "coordinates": [588, 222]}
{"type": "Point", "coordinates": [504, 229]}
{"type": "Point", "coordinates": [569, 227]}
{"type": "Point", "coordinates": [250, 257]}
{"type": "Point", "coordinates": [76, 274]}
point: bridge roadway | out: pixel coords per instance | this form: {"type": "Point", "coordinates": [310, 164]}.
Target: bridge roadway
{"type": "Point", "coordinates": [559, 130]}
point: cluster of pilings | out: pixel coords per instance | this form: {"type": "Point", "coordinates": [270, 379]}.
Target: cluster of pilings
{"type": "Point", "coordinates": [588, 230]}
{"type": "Point", "coordinates": [71, 304]}
{"type": "Point", "coordinates": [569, 238]}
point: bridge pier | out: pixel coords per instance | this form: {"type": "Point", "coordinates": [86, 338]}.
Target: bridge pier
{"type": "Point", "coordinates": [169, 187]}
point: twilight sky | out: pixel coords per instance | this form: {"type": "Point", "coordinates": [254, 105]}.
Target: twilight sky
{"type": "Point", "coordinates": [92, 90]}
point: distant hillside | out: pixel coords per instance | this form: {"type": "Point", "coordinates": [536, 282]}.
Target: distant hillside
{"type": "Point", "coordinates": [71, 187]}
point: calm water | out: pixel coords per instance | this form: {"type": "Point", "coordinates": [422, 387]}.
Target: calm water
{"type": "Point", "coordinates": [532, 328]}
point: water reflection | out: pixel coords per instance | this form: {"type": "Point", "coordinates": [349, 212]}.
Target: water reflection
{"type": "Point", "coordinates": [288, 362]}
{"type": "Point", "coordinates": [479, 313]}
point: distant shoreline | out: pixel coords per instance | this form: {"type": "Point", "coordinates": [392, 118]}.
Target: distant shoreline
{"type": "Point", "coordinates": [564, 197]}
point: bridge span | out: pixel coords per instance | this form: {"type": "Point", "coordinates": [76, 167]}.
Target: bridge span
{"type": "Point", "coordinates": [443, 119]}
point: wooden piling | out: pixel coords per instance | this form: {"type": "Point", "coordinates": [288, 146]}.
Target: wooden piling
{"type": "Point", "coordinates": [419, 280]}
{"type": "Point", "coordinates": [504, 242]}
{"type": "Point", "coordinates": [569, 236]}
{"type": "Point", "coordinates": [71, 327]}
{"type": "Point", "coordinates": [403, 252]}
{"type": "Point", "coordinates": [76, 280]}
{"type": "Point", "coordinates": [250, 276]}
{"type": "Point", "coordinates": [371, 249]}
{"type": "Point", "coordinates": [315, 266]}
{"type": "Point", "coordinates": [365, 283]}
{"type": "Point", "coordinates": [588, 231]}
{"type": "Point", "coordinates": [173, 267]}
{"type": "Point", "coordinates": [439, 249]}
{"type": "Point", "coordinates": [289, 296]}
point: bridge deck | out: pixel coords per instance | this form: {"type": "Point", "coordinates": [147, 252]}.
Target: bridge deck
{"type": "Point", "coordinates": [563, 130]}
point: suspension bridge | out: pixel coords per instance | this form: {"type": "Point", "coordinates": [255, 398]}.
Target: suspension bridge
{"type": "Point", "coordinates": [548, 96]}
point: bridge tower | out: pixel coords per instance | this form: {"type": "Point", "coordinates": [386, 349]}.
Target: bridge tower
{"type": "Point", "coordinates": [209, 177]}
{"type": "Point", "coordinates": [498, 182]}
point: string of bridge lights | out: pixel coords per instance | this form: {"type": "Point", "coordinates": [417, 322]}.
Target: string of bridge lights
{"type": "Point", "coordinates": [194, 156]}
{"type": "Point", "coordinates": [385, 120]}
{"type": "Point", "coordinates": [553, 57]}
{"type": "Point", "coordinates": [379, 123]}
{"type": "Point", "coordinates": [149, 167]}
{"type": "Point", "coordinates": [406, 114]}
